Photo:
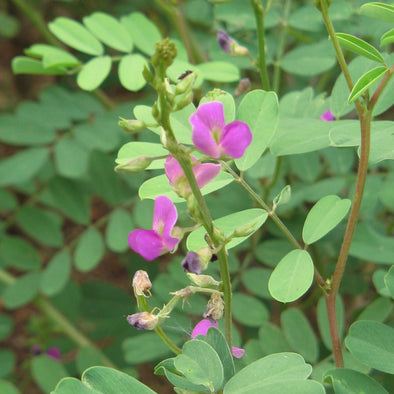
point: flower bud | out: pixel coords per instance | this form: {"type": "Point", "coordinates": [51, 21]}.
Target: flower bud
{"type": "Point", "coordinates": [143, 320]}
{"type": "Point", "coordinates": [229, 45]}
{"type": "Point", "coordinates": [185, 100]}
{"type": "Point", "coordinates": [141, 284]}
{"type": "Point", "coordinates": [193, 263]}
{"type": "Point", "coordinates": [147, 74]}
{"type": "Point", "coordinates": [202, 280]}
{"type": "Point", "coordinates": [215, 307]}
{"type": "Point", "coordinates": [246, 230]}
{"type": "Point", "coordinates": [131, 125]}
{"type": "Point", "coordinates": [318, 5]}
{"type": "Point", "coordinates": [186, 84]}
{"type": "Point", "coordinates": [243, 87]}
{"type": "Point", "coordinates": [135, 165]}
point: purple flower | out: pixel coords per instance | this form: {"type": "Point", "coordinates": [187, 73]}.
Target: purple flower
{"type": "Point", "coordinates": [202, 328]}
{"type": "Point", "coordinates": [327, 116]}
{"type": "Point", "coordinates": [213, 137]}
{"type": "Point", "coordinates": [224, 41]}
{"type": "Point", "coordinates": [204, 173]}
{"type": "Point", "coordinates": [143, 320]}
{"type": "Point", "coordinates": [193, 263]}
{"type": "Point", "coordinates": [150, 244]}
{"type": "Point", "coordinates": [52, 352]}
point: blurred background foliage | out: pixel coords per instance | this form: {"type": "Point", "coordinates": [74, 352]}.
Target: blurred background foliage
{"type": "Point", "coordinates": [66, 214]}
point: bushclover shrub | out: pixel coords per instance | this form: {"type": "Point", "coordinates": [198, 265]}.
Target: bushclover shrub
{"type": "Point", "coordinates": [252, 211]}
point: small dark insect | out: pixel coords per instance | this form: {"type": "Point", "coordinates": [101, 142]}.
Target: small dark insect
{"type": "Point", "coordinates": [185, 74]}
{"type": "Point", "coordinates": [214, 258]}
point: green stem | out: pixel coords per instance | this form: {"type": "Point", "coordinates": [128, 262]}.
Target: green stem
{"type": "Point", "coordinates": [279, 53]}
{"type": "Point", "coordinates": [282, 227]}
{"type": "Point", "coordinates": [338, 50]}
{"type": "Point", "coordinates": [379, 89]}
{"type": "Point", "coordinates": [159, 331]}
{"type": "Point", "coordinates": [365, 121]}
{"type": "Point", "coordinates": [258, 11]}
{"type": "Point", "coordinates": [183, 158]}
{"type": "Point", "coordinates": [36, 18]}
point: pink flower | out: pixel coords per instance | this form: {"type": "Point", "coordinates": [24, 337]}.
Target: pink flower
{"type": "Point", "coordinates": [327, 116]}
{"type": "Point", "coordinates": [202, 328]}
{"type": "Point", "coordinates": [204, 173]}
{"type": "Point", "coordinates": [213, 137]}
{"type": "Point", "coordinates": [150, 244]}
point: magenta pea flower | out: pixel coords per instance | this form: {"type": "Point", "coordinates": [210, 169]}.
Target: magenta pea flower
{"type": "Point", "coordinates": [213, 137]}
{"type": "Point", "coordinates": [204, 173]}
{"type": "Point", "coordinates": [150, 244]}
{"type": "Point", "coordinates": [202, 328]}
{"type": "Point", "coordinates": [327, 116]}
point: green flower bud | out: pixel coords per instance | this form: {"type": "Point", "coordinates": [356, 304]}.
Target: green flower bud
{"type": "Point", "coordinates": [135, 165]}
{"type": "Point", "coordinates": [318, 5]}
{"type": "Point", "coordinates": [202, 280]}
{"type": "Point", "coordinates": [186, 84]}
{"type": "Point", "coordinates": [147, 74]}
{"type": "Point", "coordinates": [246, 230]}
{"type": "Point", "coordinates": [185, 100]}
{"type": "Point", "coordinates": [131, 125]}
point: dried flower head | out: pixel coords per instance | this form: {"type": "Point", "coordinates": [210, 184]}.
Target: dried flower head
{"type": "Point", "coordinates": [142, 284]}
{"type": "Point", "coordinates": [143, 320]}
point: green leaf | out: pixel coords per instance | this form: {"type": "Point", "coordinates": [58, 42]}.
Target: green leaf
{"type": "Point", "coordinates": [359, 46]}
{"type": "Point", "coordinates": [326, 214]}
{"type": "Point", "coordinates": [300, 334]}
{"type": "Point", "coordinates": [70, 198]}
{"type": "Point", "coordinates": [389, 281]}
{"type": "Point", "coordinates": [256, 281]}
{"type": "Point", "coordinates": [306, 18]}
{"type": "Point", "coordinates": [88, 356]}
{"type": "Point", "coordinates": [89, 250]}
{"type": "Point", "coordinates": [365, 81]}
{"type": "Point", "coordinates": [380, 286]}
{"type": "Point", "coordinates": [94, 72]}
{"type": "Point", "coordinates": [200, 364]}
{"type": "Point", "coordinates": [8, 388]}
{"type": "Point", "coordinates": [18, 253]}
{"type": "Point", "coordinates": [56, 274]}
{"type": "Point", "coordinates": [22, 166]}
{"type": "Point", "coordinates": [134, 149]}
{"type": "Point", "coordinates": [219, 71]}
{"type": "Point", "coordinates": [144, 32]}
{"type": "Point", "coordinates": [276, 373]}
{"type": "Point", "coordinates": [52, 56]}
{"type": "Point", "coordinates": [130, 72]}
{"type": "Point", "coordinates": [42, 225]}
{"type": "Point", "coordinates": [228, 224]}
{"type": "Point", "coordinates": [260, 110]}
{"type": "Point", "coordinates": [255, 316]}
{"type": "Point", "coordinates": [47, 372]}
{"type": "Point", "coordinates": [216, 339]}
{"type": "Point", "coordinates": [272, 339]}
{"type": "Point", "coordinates": [372, 343]}
{"type": "Point", "coordinates": [295, 136]}
{"type": "Point", "coordinates": [380, 11]}
{"type": "Point", "coordinates": [22, 291]}
{"type": "Point", "coordinates": [7, 362]}
{"type": "Point", "coordinates": [75, 35]}
{"type": "Point", "coordinates": [119, 226]}
{"type": "Point", "coordinates": [292, 277]}
{"type": "Point", "coordinates": [159, 186]}
{"type": "Point", "coordinates": [109, 30]}
{"type": "Point", "coordinates": [308, 60]}
{"type": "Point", "coordinates": [347, 133]}
{"type": "Point", "coordinates": [322, 320]}
{"type": "Point", "coordinates": [68, 147]}
{"type": "Point", "coordinates": [378, 310]}
{"type": "Point", "coordinates": [26, 65]}
{"type": "Point", "coordinates": [270, 252]}
{"type": "Point", "coordinates": [387, 38]}
{"type": "Point", "coordinates": [6, 326]}
{"type": "Point", "coordinates": [370, 245]}
{"type": "Point", "coordinates": [350, 381]}
{"type": "Point", "coordinates": [145, 347]}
